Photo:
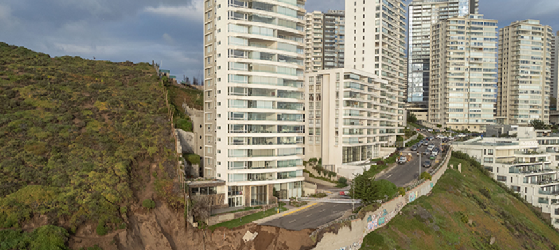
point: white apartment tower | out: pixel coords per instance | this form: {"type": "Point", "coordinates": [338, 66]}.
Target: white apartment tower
{"type": "Point", "coordinates": [463, 89]}
{"type": "Point", "coordinates": [254, 98]}
{"type": "Point", "coordinates": [422, 14]}
{"type": "Point", "coordinates": [524, 72]}
{"type": "Point", "coordinates": [314, 41]}
{"type": "Point", "coordinates": [324, 40]}
{"type": "Point", "coordinates": [376, 38]}
{"type": "Point", "coordinates": [555, 69]}
{"type": "Point", "coordinates": [351, 114]}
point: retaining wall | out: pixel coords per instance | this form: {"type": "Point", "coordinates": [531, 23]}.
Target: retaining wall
{"type": "Point", "coordinates": [352, 237]}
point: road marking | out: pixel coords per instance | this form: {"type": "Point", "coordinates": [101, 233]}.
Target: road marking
{"type": "Point", "coordinates": [308, 215]}
{"type": "Point", "coordinates": [297, 210]}
{"type": "Point", "coordinates": [388, 176]}
{"type": "Point", "coordinates": [292, 221]}
{"type": "Point", "coordinates": [322, 210]}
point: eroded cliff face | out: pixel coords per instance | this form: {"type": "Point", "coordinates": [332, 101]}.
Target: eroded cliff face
{"type": "Point", "coordinates": [164, 229]}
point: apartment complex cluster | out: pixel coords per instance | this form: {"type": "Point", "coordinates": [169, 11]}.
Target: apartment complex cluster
{"type": "Point", "coordinates": [527, 163]}
{"type": "Point", "coordinates": [283, 85]}
{"type": "Point", "coordinates": [465, 73]}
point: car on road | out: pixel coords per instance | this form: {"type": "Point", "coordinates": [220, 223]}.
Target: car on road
{"type": "Point", "coordinates": [430, 130]}
{"type": "Point", "coordinates": [402, 160]}
{"type": "Point", "coordinates": [414, 148]}
{"type": "Point", "coordinates": [427, 164]}
{"type": "Point", "coordinates": [461, 135]}
{"type": "Point", "coordinates": [431, 147]}
{"type": "Point", "coordinates": [344, 193]}
{"type": "Point", "coordinates": [427, 152]}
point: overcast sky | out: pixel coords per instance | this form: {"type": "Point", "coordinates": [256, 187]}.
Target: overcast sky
{"type": "Point", "coordinates": [165, 30]}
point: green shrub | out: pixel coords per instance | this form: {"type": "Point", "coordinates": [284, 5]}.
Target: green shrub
{"type": "Point", "coordinates": [402, 191]}
{"type": "Point", "coordinates": [373, 240]}
{"type": "Point", "coordinates": [101, 229]}
{"type": "Point", "coordinates": [149, 204]}
{"type": "Point", "coordinates": [426, 176]}
{"type": "Point", "coordinates": [486, 192]}
{"type": "Point", "coordinates": [194, 159]}
{"type": "Point", "coordinates": [342, 180]}
{"type": "Point", "coordinates": [184, 124]}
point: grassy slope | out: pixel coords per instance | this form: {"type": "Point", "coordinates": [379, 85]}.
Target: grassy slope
{"type": "Point", "coordinates": [77, 138]}
{"type": "Point", "coordinates": [440, 221]}
{"type": "Point", "coordinates": [194, 98]}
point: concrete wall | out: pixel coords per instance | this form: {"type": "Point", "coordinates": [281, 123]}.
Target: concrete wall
{"type": "Point", "coordinates": [352, 237]}
{"type": "Point", "coordinates": [231, 216]}
{"type": "Point", "coordinates": [197, 117]}
{"type": "Point", "coordinates": [317, 181]}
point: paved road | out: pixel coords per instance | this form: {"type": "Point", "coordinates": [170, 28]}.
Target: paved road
{"type": "Point", "coordinates": [405, 173]}
{"type": "Point", "coordinates": [312, 217]}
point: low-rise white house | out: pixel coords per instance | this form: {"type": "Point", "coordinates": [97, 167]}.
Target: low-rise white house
{"type": "Point", "coordinates": [528, 164]}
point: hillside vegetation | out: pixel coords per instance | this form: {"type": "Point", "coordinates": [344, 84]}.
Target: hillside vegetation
{"type": "Point", "coordinates": [79, 140]}
{"type": "Point", "coordinates": [465, 211]}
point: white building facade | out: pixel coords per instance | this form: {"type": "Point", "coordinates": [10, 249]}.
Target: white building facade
{"type": "Point", "coordinates": [463, 90]}
{"type": "Point", "coordinates": [254, 98]}
{"type": "Point", "coordinates": [350, 114]}
{"type": "Point", "coordinates": [524, 72]}
{"type": "Point", "coordinates": [527, 164]}
{"type": "Point", "coordinates": [376, 38]}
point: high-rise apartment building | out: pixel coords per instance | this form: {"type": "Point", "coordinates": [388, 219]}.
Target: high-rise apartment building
{"type": "Point", "coordinates": [524, 72]}
{"type": "Point", "coordinates": [463, 89]}
{"type": "Point", "coordinates": [314, 41]}
{"type": "Point", "coordinates": [350, 114]}
{"type": "Point", "coordinates": [422, 14]}
{"type": "Point", "coordinates": [324, 40]}
{"type": "Point", "coordinates": [334, 39]}
{"type": "Point", "coordinates": [376, 38]}
{"type": "Point", "coordinates": [554, 71]}
{"type": "Point", "coordinates": [254, 98]}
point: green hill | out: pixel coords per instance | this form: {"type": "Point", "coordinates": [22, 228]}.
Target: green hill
{"type": "Point", "coordinates": [464, 211]}
{"type": "Point", "coordinates": [79, 140]}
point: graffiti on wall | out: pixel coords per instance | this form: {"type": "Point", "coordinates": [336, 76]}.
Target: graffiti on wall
{"type": "Point", "coordinates": [354, 246]}
{"type": "Point", "coordinates": [412, 196]}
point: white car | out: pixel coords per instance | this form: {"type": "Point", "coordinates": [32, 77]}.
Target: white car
{"type": "Point", "coordinates": [430, 130]}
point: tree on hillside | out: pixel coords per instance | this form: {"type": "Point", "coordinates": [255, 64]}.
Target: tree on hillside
{"type": "Point", "coordinates": [412, 118]}
{"type": "Point", "coordinates": [537, 124]}
{"type": "Point", "coordinates": [366, 188]}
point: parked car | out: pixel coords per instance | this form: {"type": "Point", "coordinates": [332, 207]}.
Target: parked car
{"type": "Point", "coordinates": [431, 147]}
{"type": "Point", "coordinates": [427, 164]}
{"type": "Point", "coordinates": [426, 143]}
{"type": "Point", "coordinates": [430, 130]}
{"type": "Point", "coordinates": [344, 193]}
{"type": "Point", "coordinates": [461, 135]}
{"type": "Point", "coordinates": [427, 152]}
{"type": "Point", "coordinates": [414, 148]}
{"type": "Point", "coordinates": [434, 153]}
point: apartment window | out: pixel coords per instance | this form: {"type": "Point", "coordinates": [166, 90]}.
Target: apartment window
{"type": "Point", "coordinates": [501, 178]}
{"type": "Point", "coordinates": [490, 152]}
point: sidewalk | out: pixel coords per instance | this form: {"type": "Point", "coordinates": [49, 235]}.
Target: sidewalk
{"type": "Point", "coordinates": [288, 212]}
